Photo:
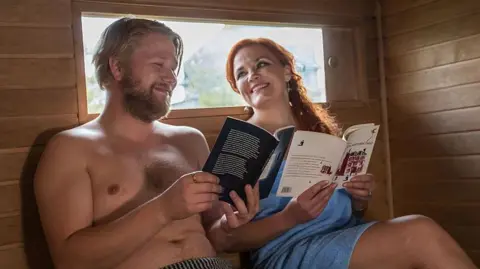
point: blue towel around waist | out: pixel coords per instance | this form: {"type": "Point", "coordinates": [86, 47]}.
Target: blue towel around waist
{"type": "Point", "coordinates": [327, 240]}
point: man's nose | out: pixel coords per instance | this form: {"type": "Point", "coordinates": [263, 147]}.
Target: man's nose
{"type": "Point", "coordinates": [169, 77]}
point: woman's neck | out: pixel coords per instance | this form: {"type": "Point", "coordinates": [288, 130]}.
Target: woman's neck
{"type": "Point", "coordinates": [274, 118]}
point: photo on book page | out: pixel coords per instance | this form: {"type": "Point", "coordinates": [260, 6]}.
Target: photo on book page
{"type": "Point", "coordinates": [360, 144]}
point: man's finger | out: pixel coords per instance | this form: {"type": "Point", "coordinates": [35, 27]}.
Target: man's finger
{"type": "Point", "coordinates": [204, 197]}
{"type": "Point", "coordinates": [207, 188]}
{"type": "Point", "coordinates": [203, 177]}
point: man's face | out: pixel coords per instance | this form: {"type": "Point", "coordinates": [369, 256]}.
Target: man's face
{"type": "Point", "coordinates": [149, 78]}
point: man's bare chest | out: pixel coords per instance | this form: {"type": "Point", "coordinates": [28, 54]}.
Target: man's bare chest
{"type": "Point", "coordinates": [124, 180]}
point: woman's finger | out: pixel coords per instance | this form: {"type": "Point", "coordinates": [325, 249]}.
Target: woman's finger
{"type": "Point", "coordinates": [357, 185]}
{"type": "Point", "coordinates": [250, 198]}
{"type": "Point", "coordinates": [239, 204]}
{"type": "Point", "coordinates": [232, 219]}
{"type": "Point", "coordinates": [309, 193]}
{"type": "Point", "coordinates": [359, 192]}
{"type": "Point", "coordinates": [363, 178]}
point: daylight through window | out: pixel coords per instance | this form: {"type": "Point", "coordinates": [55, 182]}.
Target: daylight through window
{"type": "Point", "coordinates": [202, 82]}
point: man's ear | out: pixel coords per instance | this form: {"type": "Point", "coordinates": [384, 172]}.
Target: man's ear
{"type": "Point", "coordinates": [115, 68]}
{"type": "Point", "coordinates": [287, 73]}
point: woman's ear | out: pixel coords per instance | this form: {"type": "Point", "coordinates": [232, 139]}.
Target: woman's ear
{"type": "Point", "coordinates": [115, 68]}
{"type": "Point", "coordinates": [287, 73]}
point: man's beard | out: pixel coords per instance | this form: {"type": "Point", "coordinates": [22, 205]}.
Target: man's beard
{"type": "Point", "coordinates": [142, 103]}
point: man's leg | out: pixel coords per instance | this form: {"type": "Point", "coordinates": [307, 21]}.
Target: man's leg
{"type": "Point", "coordinates": [408, 242]}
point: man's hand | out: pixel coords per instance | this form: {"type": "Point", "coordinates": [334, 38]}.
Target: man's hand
{"type": "Point", "coordinates": [191, 194]}
{"type": "Point", "coordinates": [237, 216]}
{"type": "Point", "coordinates": [309, 204]}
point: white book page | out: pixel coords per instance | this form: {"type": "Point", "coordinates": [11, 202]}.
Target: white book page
{"type": "Point", "coordinates": [312, 157]}
{"type": "Point", "coordinates": [360, 143]}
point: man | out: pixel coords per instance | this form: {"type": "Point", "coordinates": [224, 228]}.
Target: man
{"type": "Point", "coordinates": [121, 191]}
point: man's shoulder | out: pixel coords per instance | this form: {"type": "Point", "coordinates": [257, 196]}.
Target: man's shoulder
{"type": "Point", "coordinates": [179, 132]}
{"type": "Point", "coordinates": [74, 138]}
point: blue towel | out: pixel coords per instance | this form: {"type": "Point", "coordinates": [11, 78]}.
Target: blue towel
{"type": "Point", "coordinates": [324, 242]}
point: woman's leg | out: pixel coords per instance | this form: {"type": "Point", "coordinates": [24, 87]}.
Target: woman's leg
{"type": "Point", "coordinates": [406, 243]}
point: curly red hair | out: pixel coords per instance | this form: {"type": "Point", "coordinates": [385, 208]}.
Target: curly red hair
{"type": "Point", "coordinates": [308, 115]}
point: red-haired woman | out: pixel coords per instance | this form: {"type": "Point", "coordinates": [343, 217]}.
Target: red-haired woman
{"type": "Point", "coordinates": [318, 229]}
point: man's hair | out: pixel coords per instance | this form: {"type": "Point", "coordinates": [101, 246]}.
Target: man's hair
{"type": "Point", "coordinates": [120, 39]}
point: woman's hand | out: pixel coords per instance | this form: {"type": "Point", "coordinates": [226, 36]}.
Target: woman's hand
{"type": "Point", "coordinates": [241, 214]}
{"type": "Point", "coordinates": [361, 188]}
{"type": "Point", "coordinates": [309, 204]}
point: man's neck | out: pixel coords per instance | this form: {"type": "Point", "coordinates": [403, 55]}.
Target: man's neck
{"type": "Point", "coordinates": [118, 122]}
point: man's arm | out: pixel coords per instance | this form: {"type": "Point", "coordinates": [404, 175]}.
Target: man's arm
{"type": "Point", "coordinates": [64, 196]}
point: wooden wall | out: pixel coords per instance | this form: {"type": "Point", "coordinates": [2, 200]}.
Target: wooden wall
{"type": "Point", "coordinates": [38, 97]}
{"type": "Point", "coordinates": [433, 81]}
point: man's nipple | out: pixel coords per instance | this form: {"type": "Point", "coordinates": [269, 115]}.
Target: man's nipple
{"type": "Point", "coordinates": [113, 189]}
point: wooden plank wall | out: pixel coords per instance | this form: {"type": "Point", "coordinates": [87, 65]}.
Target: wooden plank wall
{"type": "Point", "coordinates": [38, 97]}
{"type": "Point", "coordinates": [433, 80]}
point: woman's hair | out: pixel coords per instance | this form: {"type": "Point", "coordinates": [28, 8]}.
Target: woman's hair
{"type": "Point", "coordinates": [309, 116]}
{"type": "Point", "coordinates": [120, 39]}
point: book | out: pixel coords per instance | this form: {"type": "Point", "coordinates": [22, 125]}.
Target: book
{"type": "Point", "coordinates": [244, 154]}
{"type": "Point", "coordinates": [314, 157]}
{"type": "Point", "coordinates": [241, 153]}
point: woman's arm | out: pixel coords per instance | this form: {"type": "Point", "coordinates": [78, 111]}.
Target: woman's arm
{"type": "Point", "coordinates": [304, 208]}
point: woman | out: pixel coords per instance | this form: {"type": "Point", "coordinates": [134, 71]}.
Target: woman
{"type": "Point", "coordinates": [318, 228]}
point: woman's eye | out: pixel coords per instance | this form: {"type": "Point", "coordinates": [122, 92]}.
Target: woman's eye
{"type": "Point", "coordinates": [262, 64]}
{"type": "Point", "coordinates": [240, 74]}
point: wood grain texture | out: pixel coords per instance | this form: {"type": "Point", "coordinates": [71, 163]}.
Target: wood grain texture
{"type": "Point", "coordinates": [27, 131]}
{"type": "Point", "coordinates": [452, 121]}
{"type": "Point", "coordinates": [458, 168]}
{"type": "Point", "coordinates": [50, 13]}
{"type": "Point", "coordinates": [13, 258]}
{"type": "Point", "coordinates": [452, 98]}
{"type": "Point", "coordinates": [433, 35]}
{"type": "Point", "coordinates": [436, 78]}
{"type": "Point", "coordinates": [338, 8]}
{"type": "Point", "coordinates": [455, 51]}
{"type": "Point", "coordinates": [390, 7]}
{"type": "Point", "coordinates": [446, 145]}
{"type": "Point", "coordinates": [38, 102]}
{"type": "Point", "coordinates": [37, 73]}
{"type": "Point", "coordinates": [57, 42]}
{"type": "Point", "coordinates": [427, 15]}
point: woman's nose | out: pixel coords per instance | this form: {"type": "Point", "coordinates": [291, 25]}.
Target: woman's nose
{"type": "Point", "coordinates": [253, 76]}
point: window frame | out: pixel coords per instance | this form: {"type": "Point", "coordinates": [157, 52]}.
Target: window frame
{"type": "Point", "coordinates": [197, 14]}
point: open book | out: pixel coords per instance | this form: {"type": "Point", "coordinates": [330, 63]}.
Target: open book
{"type": "Point", "coordinates": [314, 157]}
{"type": "Point", "coordinates": [244, 153]}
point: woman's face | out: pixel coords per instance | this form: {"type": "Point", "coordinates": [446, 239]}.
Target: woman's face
{"type": "Point", "coordinates": [260, 77]}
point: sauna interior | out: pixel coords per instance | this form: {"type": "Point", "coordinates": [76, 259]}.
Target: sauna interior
{"type": "Point", "coordinates": [412, 66]}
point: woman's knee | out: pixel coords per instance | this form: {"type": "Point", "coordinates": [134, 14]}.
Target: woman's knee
{"type": "Point", "coordinates": [420, 228]}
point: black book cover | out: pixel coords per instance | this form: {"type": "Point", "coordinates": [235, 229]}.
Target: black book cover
{"type": "Point", "coordinates": [284, 137]}
{"type": "Point", "coordinates": [239, 156]}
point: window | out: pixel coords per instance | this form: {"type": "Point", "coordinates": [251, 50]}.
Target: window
{"type": "Point", "coordinates": [202, 82]}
